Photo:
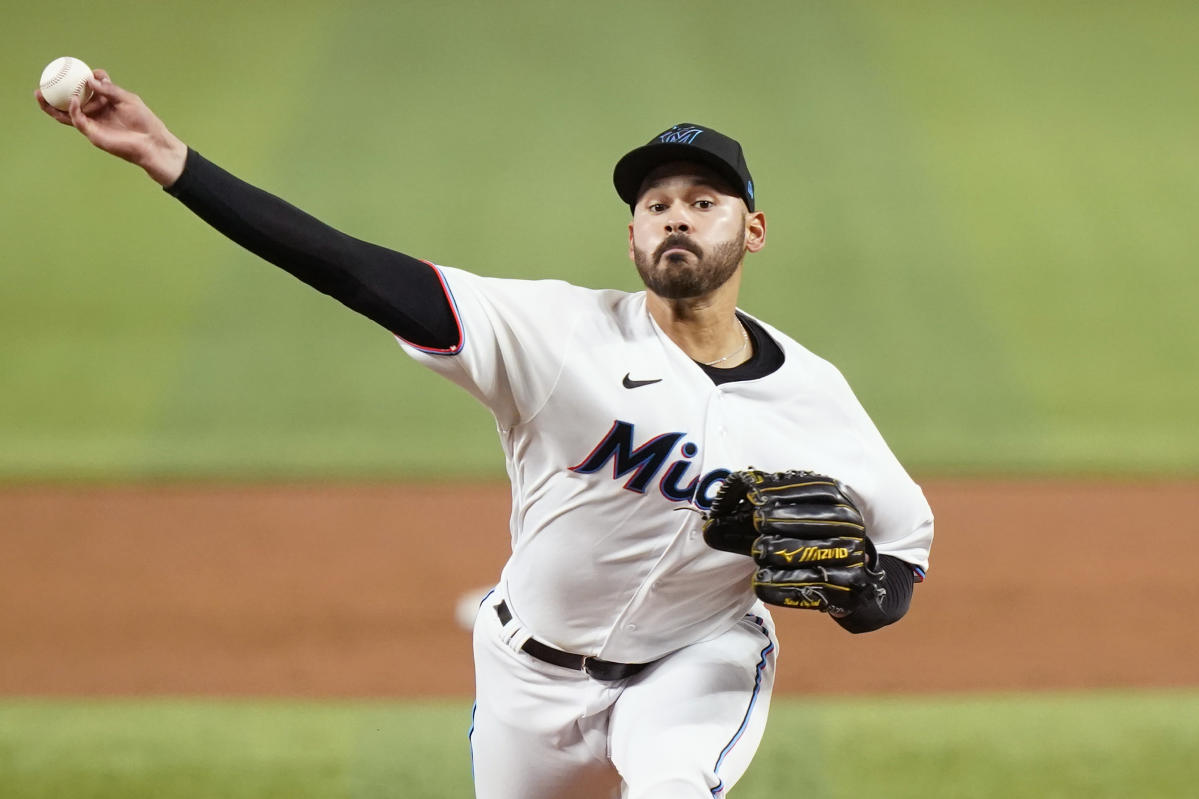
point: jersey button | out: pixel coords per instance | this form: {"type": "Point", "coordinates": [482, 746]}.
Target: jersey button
{"type": "Point", "coordinates": [631, 627]}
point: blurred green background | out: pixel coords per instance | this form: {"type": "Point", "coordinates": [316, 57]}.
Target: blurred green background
{"type": "Point", "coordinates": [979, 211]}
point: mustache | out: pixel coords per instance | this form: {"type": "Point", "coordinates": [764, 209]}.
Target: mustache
{"type": "Point", "coordinates": [679, 241]}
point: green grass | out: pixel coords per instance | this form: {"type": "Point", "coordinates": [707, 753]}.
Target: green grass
{"type": "Point", "coordinates": [242, 750]}
{"type": "Point", "coordinates": [1053, 746]}
{"type": "Point", "coordinates": [983, 213]}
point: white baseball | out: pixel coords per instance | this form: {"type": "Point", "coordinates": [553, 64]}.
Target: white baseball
{"type": "Point", "coordinates": [467, 607]}
{"type": "Point", "coordinates": [64, 78]}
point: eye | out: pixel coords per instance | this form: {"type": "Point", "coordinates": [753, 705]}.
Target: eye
{"type": "Point", "coordinates": [657, 208]}
{"type": "Point", "coordinates": [704, 204]}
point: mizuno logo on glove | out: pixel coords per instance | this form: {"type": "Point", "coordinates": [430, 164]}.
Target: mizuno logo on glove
{"type": "Point", "coordinates": [809, 554]}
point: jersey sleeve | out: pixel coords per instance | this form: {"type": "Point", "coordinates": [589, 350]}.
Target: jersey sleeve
{"type": "Point", "coordinates": [898, 518]}
{"type": "Point", "coordinates": [514, 337]}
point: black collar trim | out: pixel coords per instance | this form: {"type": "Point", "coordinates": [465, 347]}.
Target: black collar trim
{"type": "Point", "coordinates": [767, 358]}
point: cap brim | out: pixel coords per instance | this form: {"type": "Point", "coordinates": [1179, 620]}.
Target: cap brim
{"type": "Point", "coordinates": [631, 170]}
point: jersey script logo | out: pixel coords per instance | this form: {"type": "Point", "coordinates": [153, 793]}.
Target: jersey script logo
{"type": "Point", "coordinates": [629, 382]}
{"type": "Point", "coordinates": [667, 455]}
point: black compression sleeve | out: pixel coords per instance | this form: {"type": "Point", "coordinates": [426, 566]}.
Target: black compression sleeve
{"type": "Point", "coordinates": [399, 292]}
{"type": "Point", "coordinates": [899, 582]}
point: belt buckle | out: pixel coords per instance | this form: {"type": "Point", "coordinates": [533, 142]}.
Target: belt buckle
{"type": "Point", "coordinates": [606, 671]}
{"type": "Point", "coordinates": [599, 673]}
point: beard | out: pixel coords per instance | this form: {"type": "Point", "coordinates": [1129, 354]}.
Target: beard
{"type": "Point", "coordinates": [677, 279]}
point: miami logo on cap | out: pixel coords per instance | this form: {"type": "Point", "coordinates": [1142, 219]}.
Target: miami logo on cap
{"type": "Point", "coordinates": [678, 135]}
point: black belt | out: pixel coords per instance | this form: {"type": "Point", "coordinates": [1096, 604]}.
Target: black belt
{"type": "Point", "coordinates": [604, 670]}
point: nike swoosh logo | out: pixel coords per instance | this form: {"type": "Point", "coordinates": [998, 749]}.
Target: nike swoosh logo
{"type": "Point", "coordinates": [630, 383]}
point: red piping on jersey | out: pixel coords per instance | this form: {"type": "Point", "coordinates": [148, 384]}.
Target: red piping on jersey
{"type": "Point", "coordinates": [449, 295]}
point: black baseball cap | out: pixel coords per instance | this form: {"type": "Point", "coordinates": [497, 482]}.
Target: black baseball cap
{"type": "Point", "coordinates": [685, 141]}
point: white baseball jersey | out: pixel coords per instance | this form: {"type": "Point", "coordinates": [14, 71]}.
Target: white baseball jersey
{"type": "Point", "coordinates": [616, 441]}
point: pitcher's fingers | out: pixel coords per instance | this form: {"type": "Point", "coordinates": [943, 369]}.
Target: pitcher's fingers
{"type": "Point", "coordinates": [61, 116]}
{"type": "Point", "coordinates": [79, 119]}
{"type": "Point", "coordinates": [94, 102]}
{"type": "Point", "coordinates": [106, 88]}
{"type": "Point", "coordinates": [101, 75]}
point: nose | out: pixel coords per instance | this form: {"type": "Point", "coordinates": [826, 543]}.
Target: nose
{"type": "Point", "coordinates": [676, 220]}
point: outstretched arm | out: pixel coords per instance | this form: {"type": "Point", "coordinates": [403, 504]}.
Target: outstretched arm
{"type": "Point", "coordinates": [399, 292]}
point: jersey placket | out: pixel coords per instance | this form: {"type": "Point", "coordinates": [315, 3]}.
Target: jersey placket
{"type": "Point", "coordinates": [680, 548]}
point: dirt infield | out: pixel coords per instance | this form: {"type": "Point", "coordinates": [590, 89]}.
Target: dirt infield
{"type": "Point", "coordinates": [350, 591]}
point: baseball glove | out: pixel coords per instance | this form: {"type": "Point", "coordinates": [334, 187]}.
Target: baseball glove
{"type": "Point", "coordinates": [804, 533]}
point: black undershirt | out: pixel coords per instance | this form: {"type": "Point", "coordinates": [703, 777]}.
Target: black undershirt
{"type": "Point", "coordinates": [405, 296]}
{"type": "Point", "coordinates": [399, 292]}
{"type": "Point", "coordinates": [899, 581]}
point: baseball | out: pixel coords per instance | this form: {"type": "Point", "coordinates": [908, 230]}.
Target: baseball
{"type": "Point", "coordinates": [62, 79]}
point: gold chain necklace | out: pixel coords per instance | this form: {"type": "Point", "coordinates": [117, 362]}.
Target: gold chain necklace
{"type": "Point", "coordinates": [738, 351]}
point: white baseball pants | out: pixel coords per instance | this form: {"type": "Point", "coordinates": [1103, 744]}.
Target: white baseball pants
{"type": "Point", "coordinates": [686, 727]}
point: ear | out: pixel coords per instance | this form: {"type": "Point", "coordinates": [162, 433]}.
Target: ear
{"type": "Point", "coordinates": [631, 256]}
{"type": "Point", "coordinates": [755, 231]}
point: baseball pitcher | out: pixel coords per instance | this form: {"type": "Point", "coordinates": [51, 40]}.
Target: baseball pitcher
{"type": "Point", "coordinates": [677, 466]}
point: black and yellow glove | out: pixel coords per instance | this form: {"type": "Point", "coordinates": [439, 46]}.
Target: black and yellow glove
{"type": "Point", "coordinates": [806, 536]}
